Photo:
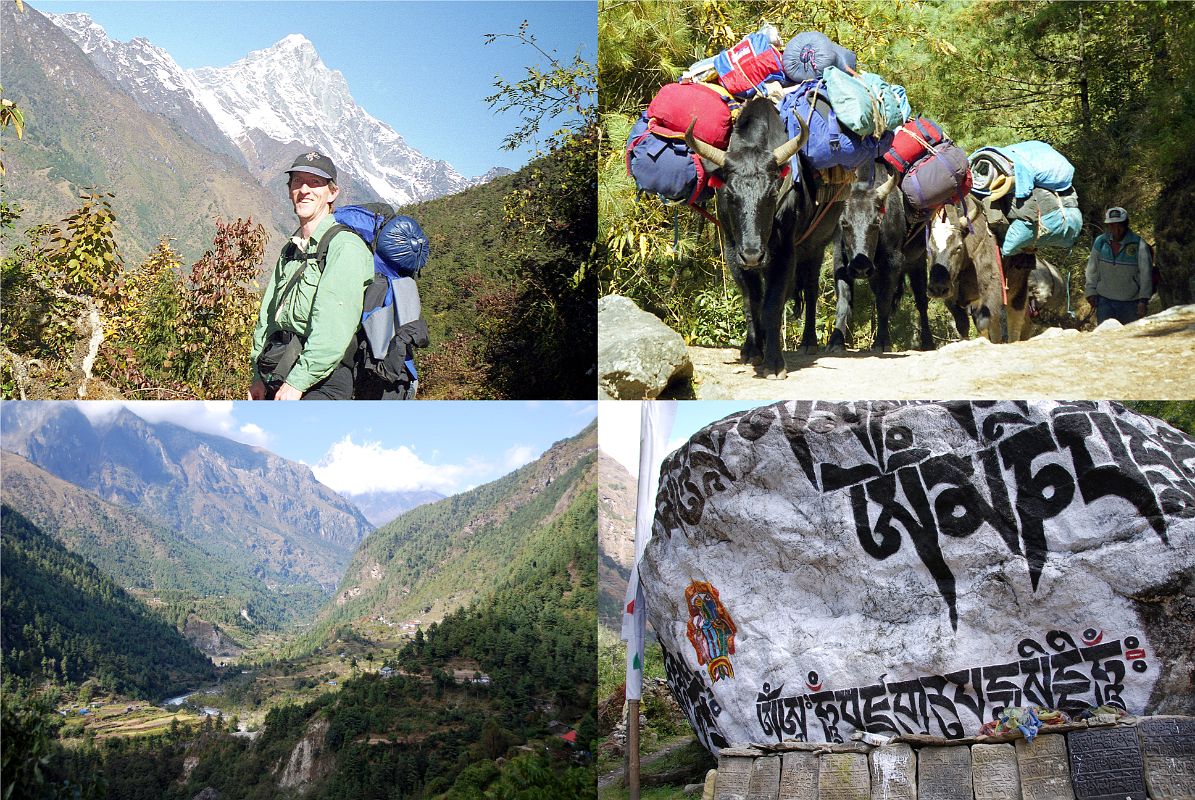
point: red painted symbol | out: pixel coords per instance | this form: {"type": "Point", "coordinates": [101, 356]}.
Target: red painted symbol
{"type": "Point", "coordinates": [631, 607]}
{"type": "Point", "coordinates": [1090, 637]}
{"type": "Point", "coordinates": [710, 630]}
{"type": "Point", "coordinates": [1133, 655]}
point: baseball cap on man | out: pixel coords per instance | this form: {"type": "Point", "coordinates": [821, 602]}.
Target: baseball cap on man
{"type": "Point", "coordinates": [1116, 214]}
{"type": "Point", "coordinates": [314, 163]}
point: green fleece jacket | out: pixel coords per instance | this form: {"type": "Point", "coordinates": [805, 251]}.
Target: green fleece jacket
{"type": "Point", "coordinates": [324, 310]}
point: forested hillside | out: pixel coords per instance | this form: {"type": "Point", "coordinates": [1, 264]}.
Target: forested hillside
{"type": "Point", "coordinates": [536, 633]}
{"type": "Point", "coordinates": [180, 576]}
{"type": "Point", "coordinates": [508, 293]}
{"type": "Point", "coordinates": [441, 556]}
{"type": "Point", "coordinates": [66, 621]}
{"type": "Point", "coordinates": [423, 730]}
{"type": "Point", "coordinates": [1107, 84]}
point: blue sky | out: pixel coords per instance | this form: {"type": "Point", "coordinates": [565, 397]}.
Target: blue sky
{"type": "Point", "coordinates": [618, 425]}
{"type": "Point", "coordinates": [421, 67]}
{"type": "Point", "coordinates": [445, 446]}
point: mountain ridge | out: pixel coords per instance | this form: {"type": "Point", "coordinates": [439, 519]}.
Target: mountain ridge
{"type": "Point", "coordinates": [381, 507]}
{"type": "Point", "coordinates": [155, 564]}
{"type": "Point", "coordinates": [617, 491]}
{"type": "Point", "coordinates": [439, 557]}
{"type": "Point", "coordinates": [291, 529]}
{"type": "Point", "coordinates": [270, 105]}
{"type": "Point", "coordinates": [82, 133]}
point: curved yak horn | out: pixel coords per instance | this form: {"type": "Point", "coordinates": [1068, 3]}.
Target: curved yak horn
{"type": "Point", "coordinates": [789, 149]}
{"type": "Point", "coordinates": [885, 188]}
{"type": "Point", "coordinates": [704, 149]}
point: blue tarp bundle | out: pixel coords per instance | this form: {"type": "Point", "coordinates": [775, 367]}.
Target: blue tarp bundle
{"type": "Point", "coordinates": [1044, 219]}
{"type": "Point", "coordinates": [1034, 164]}
{"type": "Point", "coordinates": [1045, 209]}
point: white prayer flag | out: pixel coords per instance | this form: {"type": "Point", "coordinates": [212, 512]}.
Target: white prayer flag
{"type": "Point", "coordinates": [655, 426]}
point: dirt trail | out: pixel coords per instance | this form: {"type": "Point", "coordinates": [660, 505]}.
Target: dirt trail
{"type": "Point", "coordinates": [1152, 359]}
{"type": "Point", "coordinates": [615, 775]}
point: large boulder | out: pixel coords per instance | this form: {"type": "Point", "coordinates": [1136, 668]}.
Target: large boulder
{"type": "Point", "coordinates": [638, 355]}
{"type": "Point", "coordinates": [821, 568]}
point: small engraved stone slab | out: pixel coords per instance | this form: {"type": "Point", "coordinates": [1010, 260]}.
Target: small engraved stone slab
{"type": "Point", "coordinates": [843, 776]}
{"type": "Point", "coordinates": [944, 773]}
{"type": "Point", "coordinates": [1043, 768]}
{"type": "Point", "coordinates": [994, 772]}
{"type": "Point", "coordinates": [765, 779]}
{"type": "Point", "coordinates": [798, 776]}
{"type": "Point", "coordinates": [734, 777]}
{"type": "Point", "coordinates": [894, 773]}
{"type": "Point", "coordinates": [1169, 745]}
{"type": "Point", "coordinates": [1106, 764]}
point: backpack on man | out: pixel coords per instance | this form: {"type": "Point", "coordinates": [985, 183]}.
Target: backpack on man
{"type": "Point", "coordinates": [381, 354]}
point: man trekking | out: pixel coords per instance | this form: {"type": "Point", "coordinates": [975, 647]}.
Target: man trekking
{"type": "Point", "coordinates": [308, 317]}
{"type": "Point", "coordinates": [1119, 271]}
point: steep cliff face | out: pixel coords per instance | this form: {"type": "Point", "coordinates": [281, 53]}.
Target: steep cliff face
{"type": "Point", "coordinates": [616, 537]}
{"type": "Point", "coordinates": [150, 77]}
{"type": "Point", "coordinates": [208, 638]}
{"type": "Point", "coordinates": [232, 497]}
{"type": "Point", "coordinates": [308, 762]}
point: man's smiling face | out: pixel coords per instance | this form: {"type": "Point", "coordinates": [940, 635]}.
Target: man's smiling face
{"type": "Point", "coordinates": [310, 194]}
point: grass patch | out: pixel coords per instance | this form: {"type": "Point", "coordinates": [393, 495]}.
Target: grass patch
{"type": "Point", "coordinates": [647, 793]}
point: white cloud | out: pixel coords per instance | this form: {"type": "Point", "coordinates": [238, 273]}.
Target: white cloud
{"type": "Point", "coordinates": [249, 429]}
{"type": "Point", "coordinates": [351, 468]}
{"type": "Point", "coordinates": [518, 455]}
{"type": "Point", "coordinates": [202, 416]}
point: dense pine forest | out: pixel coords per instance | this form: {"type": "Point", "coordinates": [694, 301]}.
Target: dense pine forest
{"type": "Point", "coordinates": [66, 621]}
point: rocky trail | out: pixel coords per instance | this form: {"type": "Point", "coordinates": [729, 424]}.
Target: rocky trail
{"type": "Point", "coordinates": [1152, 359]}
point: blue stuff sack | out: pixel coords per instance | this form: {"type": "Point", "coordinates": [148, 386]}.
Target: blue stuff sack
{"type": "Point", "coordinates": [400, 247]}
{"type": "Point", "coordinates": [665, 167]}
{"type": "Point", "coordinates": [403, 244]}
{"type": "Point", "coordinates": [808, 53]}
{"type": "Point", "coordinates": [829, 144]}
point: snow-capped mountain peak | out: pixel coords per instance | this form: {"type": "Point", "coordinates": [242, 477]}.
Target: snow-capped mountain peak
{"type": "Point", "coordinates": [268, 105]}
{"type": "Point", "coordinates": [85, 31]}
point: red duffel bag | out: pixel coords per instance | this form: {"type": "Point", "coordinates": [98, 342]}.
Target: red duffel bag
{"type": "Point", "coordinates": [911, 143]}
{"type": "Point", "coordinates": [678, 104]}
